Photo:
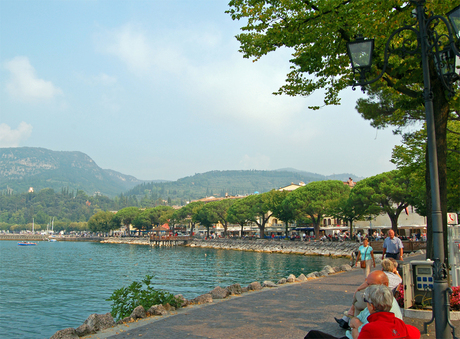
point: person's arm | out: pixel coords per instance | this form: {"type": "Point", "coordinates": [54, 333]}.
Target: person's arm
{"type": "Point", "coordinates": [373, 259]}
{"type": "Point", "coordinates": [355, 324]}
{"type": "Point", "coordinates": [383, 252]}
{"type": "Point", "coordinates": [401, 254]}
{"type": "Point", "coordinates": [358, 258]}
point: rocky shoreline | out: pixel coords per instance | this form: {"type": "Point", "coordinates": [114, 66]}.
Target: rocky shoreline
{"type": "Point", "coordinates": [328, 248]}
{"type": "Point", "coordinates": [99, 322]}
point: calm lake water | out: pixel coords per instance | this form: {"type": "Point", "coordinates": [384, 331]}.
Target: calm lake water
{"type": "Point", "coordinates": [52, 286]}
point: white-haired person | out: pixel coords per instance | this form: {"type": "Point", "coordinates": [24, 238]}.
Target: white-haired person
{"type": "Point", "coordinates": [382, 324]}
{"type": "Point", "coordinates": [390, 268]}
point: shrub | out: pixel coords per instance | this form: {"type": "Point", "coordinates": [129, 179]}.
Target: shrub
{"type": "Point", "coordinates": [126, 299]}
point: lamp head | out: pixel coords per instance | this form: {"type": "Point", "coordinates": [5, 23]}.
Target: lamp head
{"type": "Point", "coordinates": [454, 18]}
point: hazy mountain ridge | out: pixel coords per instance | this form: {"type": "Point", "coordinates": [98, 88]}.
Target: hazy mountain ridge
{"type": "Point", "coordinates": [24, 167]}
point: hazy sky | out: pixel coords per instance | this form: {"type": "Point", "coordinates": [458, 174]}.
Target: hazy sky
{"type": "Point", "coordinates": [158, 90]}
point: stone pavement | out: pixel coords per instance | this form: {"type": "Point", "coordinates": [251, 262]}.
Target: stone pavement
{"type": "Point", "coordinates": [288, 311]}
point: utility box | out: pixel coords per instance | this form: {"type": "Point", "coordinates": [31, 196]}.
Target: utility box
{"type": "Point", "coordinates": [418, 283]}
{"type": "Point", "coordinates": [454, 253]}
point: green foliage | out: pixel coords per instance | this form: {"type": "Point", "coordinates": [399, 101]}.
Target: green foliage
{"type": "Point", "coordinates": [126, 299]}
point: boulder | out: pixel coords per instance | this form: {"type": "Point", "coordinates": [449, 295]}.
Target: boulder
{"type": "Point", "coordinates": [219, 293]}
{"type": "Point", "coordinates": [302, 278]}
{"type": "Point", "coordinates": [157, 310]}
{"type": "Point", "coordinates": [282, 281]}
{"type": "Point", "coordinates": [202, 299]}
{"type": "Point", "coordinates": [234, 289]}
{"type": "Point", "coordinates": [328, 269]}
{"type": "Point", "coordinates": [346, 267]}
{"type": "Point", "coordinates": [244, 289]}
{"type": "Point", "coordinates": [67, 333]}
{"type": "Point", "coordinates": [83, 330]}
{"type": "Point", "coordinates": [268, 283]}
{"type": "Point", "coordinates": [169, 308]}
{"type": "Point", "coordinates": [291, 278]}
{"type": "Point", "coordinates": [139, 312]}
{"type": "Point", "coordinates": [311, 275]}
{"type": "Point", "coordinates": [254, 286]}
{"type": "Point", "coordinates": [125, 320]}
{"type": "Point", "coordinates": [183, 302]}
{"type": "Point", "coordinates": [98, 322]}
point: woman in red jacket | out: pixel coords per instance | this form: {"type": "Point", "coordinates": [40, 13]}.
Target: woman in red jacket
{"type": "Point", "coordinates": [383, 324]}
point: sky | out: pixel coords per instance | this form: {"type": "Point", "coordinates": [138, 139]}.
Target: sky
{"type": "Point", "coordinates": [158, 89]}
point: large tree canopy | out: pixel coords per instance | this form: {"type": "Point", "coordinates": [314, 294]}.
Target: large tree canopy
{"type": "Point", "coordinates": [316, 200]}
{"type": "Point", "coordinates": [318, 30]}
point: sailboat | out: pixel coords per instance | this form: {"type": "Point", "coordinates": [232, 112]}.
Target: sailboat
{"type": "Point", "coordinates": [51, 238]}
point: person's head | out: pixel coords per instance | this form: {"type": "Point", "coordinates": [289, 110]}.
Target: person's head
{"type": "Point", "coordinates": [387, 265]}
{"type": "Point", "coordinates": [378, 298]}
{"type": "Point", "coordinates": [365, 242]}
{"type": "Point", "coordinates": [391, 233]}
{"type": "Point", "coordinates": [395, 263]}
{"type": "Point", "coordinates": [377, 278]}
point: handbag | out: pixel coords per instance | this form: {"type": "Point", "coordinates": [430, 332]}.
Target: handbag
{"type": "Point", "coordinates": [363, 262]}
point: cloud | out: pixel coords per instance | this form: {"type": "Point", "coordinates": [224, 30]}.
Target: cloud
{"type": "Point", "coordinates": [142, 53]}
{"type": "Point", "coordinates": [255, 162]}
{"type": "Point", "coordinates": [12, 137]}
{"type": "Point", "coordinates": [24, 83]}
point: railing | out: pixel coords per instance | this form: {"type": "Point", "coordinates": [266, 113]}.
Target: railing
{"type": "Point", "coordinates": [169, 238]}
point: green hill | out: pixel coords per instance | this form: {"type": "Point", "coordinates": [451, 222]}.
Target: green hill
{"type": "Point", "coordinates": [219, 183]}
{"type": "Point", "coordinates": [25, 167]}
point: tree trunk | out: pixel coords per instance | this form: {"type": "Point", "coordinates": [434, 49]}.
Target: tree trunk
{"type": "Point", "coordinates": [441, 113]}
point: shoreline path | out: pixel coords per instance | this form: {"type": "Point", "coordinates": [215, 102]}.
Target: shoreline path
{"type": "Point", "coordinates": [287, 311]}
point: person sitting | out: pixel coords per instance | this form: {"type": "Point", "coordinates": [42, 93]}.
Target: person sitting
{"type": "Point", "coordinates": [390, 268]}
{"type": "Point", "coordinates": [375, 278]}
{"type": "Point", "coordinates": [382, 323]}
{"type": "Point", "coordinates": [358, 311]}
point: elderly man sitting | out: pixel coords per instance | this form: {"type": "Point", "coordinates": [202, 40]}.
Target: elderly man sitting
{"type": "Point", "coordinates": [383, 324]}
{"type": "Point", "coordinates": [374, 278]}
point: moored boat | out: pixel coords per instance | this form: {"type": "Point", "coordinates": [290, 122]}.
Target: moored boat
{"type": "Point", "coordinates": [26, 243]}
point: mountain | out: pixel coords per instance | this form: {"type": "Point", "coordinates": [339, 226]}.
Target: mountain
{"type": "Point", "coordinates": [25, 167]}
{"type": "Point", "coordinates": [218, 183]}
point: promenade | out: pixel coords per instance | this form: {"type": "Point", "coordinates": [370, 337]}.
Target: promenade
{"type": "Point", "coordinates": [288, 311]}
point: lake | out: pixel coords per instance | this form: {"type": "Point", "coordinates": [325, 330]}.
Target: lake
{"type": "Point", "coordinates": [55, 285]}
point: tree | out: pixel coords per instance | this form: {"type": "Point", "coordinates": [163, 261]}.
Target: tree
{"type": "Point", "coordinates": [102, 221]}
{"type": "Point", "coordinates": [388, 192]}
{"type": "Point", "coordinates": [206, 216]}
{"type": "Point", "coordinates": [282, 212]}
{"type": "Point", "coordinates": [188, 212]}
{"type": "Point", "coordinates": [316, 200]}
{"type": "Point", "coordinates": [126, 216]}
{"type": "Point", "coordinates": [261, 208]}
{"type": "Point", "coordinates": [220, 209]}
{"type": "Point", "coordinates": [239, 213]}
{"type": "Point", "coordinates": [317, 31]}
{"type": "Point", "coordinates": [349, 211]}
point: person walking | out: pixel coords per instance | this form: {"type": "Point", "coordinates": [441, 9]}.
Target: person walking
{"type": "Point", "coordinates": [365, 256]}
{"type": "Point", "coordinates": [393, 247]}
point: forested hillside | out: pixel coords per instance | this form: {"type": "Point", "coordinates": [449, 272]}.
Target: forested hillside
{"type": "Point", "coordinates": [25, 167]}
{"type": "Point", "coordinates": [218, 183]}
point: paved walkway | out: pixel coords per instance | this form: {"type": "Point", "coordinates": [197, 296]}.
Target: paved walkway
{"type": "Point", "coordinates": [288, 311]}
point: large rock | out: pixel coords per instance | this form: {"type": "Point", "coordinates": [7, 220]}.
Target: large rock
{"type": "Point", "coordinates": [254, 286]}
{"type": "Point", "coordinates": [219, 293]}
{"type": "Point", "coordinates": [291, 278]}
{"type": "Point", "coordinates": [183, 302]}
{"type": "Point", "coordinates": [346, 267]}
{"type": "Point", "coordinates": [302, 278]}
{"type": "Point", "coordinates": [157, 310]}
{"type": "Point", "coordinates": [268, 283]}
{"type": "Point", "coordinates": [169, 308]}
{"type": "Point", "coordinates": [84, 330]}
{"type": "Point", "coordinates": [328, 269]}
{"type": "Point", "coordinates": [234, 289]}
{"type": "Point", "coordinates": [202, 299]}
{"type": "Point", "coordinates": [98, 322]}
{"type": "Point", "coordinates": [139, 312]}
{"type": "Point", "coordinates": [67, 333]}
{"type": "Point", "coordinates": [282, 281]}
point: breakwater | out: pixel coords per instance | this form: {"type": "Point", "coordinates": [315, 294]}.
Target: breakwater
{"type": "Point", "coordinates": [334, 249]}
{"type": "Point", "coordinates": [41, 237]}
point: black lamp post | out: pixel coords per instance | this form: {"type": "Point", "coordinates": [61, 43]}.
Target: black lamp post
{"type": "Point", "coordinates": [446, 61]}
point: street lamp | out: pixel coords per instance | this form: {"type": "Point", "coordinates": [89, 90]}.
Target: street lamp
{"type": "Point", "coordinates": [442, 48]}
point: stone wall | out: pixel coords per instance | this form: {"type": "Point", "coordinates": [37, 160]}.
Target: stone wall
{"type": "Point", "coordinates": [337, 249]}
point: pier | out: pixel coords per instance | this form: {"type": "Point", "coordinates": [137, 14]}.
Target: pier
{"type": "Point", "coordinates": [166, 240]}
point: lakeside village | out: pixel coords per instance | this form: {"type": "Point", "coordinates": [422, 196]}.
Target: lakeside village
{"type": "Point", "coordinates": [411, 226]}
